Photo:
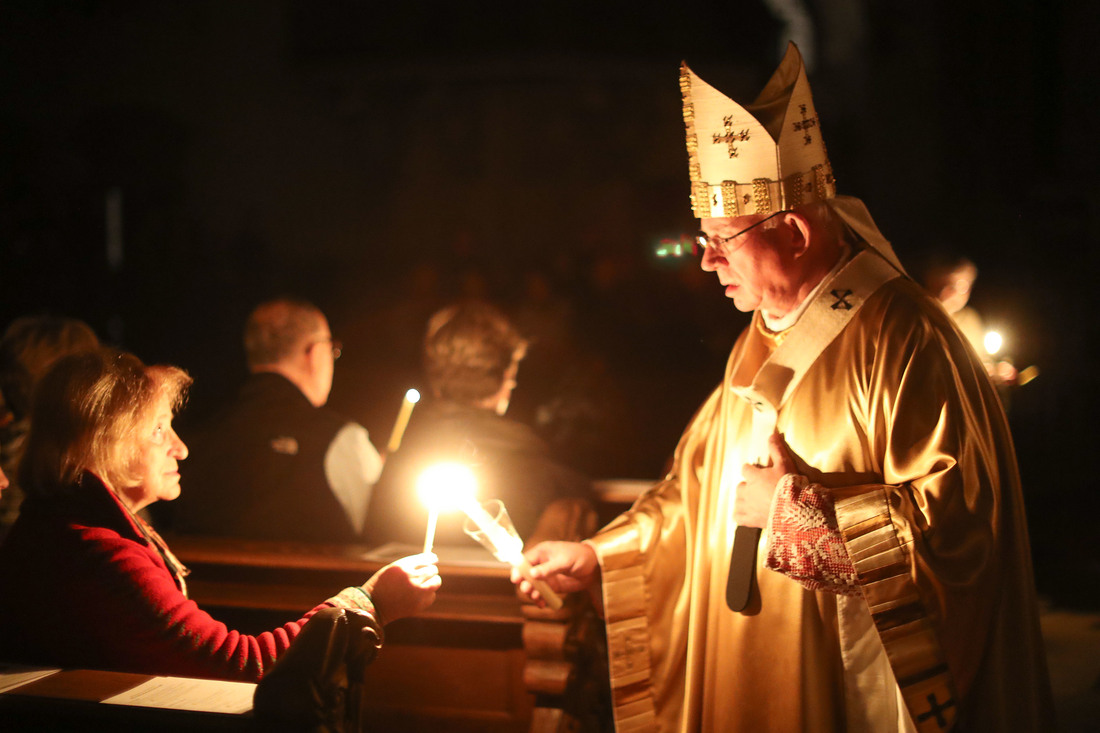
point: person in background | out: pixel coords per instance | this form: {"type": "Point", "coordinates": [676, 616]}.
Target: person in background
{"type": "Point", "coordinates": [840, 544]}
{"type": "Point", "coordinates": [88, 584]}
{"type": "Point", "coordinates": [29, 347]}
{"type": "Point", "coordinates": [472, 353]}
{"type": "Point", "coordinates": [950, 279]}
{"type": "Point", "coordinates": [277, 463]}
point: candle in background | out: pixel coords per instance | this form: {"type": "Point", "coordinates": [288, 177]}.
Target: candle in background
{"type": "Point", "coordinates": [440, 487]}
{"type": "Point", "coordinates": [993, 342]}
{"type": "Point", "coordinates": [411, 398]}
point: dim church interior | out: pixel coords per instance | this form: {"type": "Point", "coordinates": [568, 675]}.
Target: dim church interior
{"type": "Point", "coordinates": [228, 137]}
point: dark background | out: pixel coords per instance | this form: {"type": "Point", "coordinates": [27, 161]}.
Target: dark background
{"type": "Point", "coordinates": [383, 159]}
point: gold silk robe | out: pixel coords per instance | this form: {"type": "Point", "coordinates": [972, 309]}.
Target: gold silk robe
{"type": "Point", "coordinates": [896, 419]}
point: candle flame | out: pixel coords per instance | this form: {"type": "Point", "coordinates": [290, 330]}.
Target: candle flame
{"type": "Point", "coordinates": [412, 396]}
{"type": "Point", "coordinates": [446, 485]}
{"type": "Point", "coordinates": [993, 342]}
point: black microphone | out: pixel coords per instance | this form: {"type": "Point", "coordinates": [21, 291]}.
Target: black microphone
{"type": "Point", "coordinates": [742, 567]}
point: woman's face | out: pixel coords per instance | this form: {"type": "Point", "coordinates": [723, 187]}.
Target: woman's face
{"type": "Point", "coordinates": [159, 455]}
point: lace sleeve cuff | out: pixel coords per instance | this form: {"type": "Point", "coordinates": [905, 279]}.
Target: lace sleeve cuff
{"type": "Point", "coordinates": [804, 542]}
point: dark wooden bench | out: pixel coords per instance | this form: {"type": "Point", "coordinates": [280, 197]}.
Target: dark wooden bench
{"type": "Point", "coordinates": [72, 699]}
{"type": "Point", "coordinates": [477, 660]}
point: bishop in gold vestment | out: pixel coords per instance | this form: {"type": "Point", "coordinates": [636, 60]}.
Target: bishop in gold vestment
{"type": "Point", "coordinates": [892, 586]}
{"type": "Point", "coordinates": [897, 423]}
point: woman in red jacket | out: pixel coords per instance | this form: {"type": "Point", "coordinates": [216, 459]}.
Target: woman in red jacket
{"type": "Point", "coordinates": [84, 582]}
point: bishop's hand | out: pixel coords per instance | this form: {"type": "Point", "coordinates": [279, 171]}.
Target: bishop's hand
{"type": "Point", "coordinates": [565, 566]}
{"type": "Point", "coordinates": [753, 501]}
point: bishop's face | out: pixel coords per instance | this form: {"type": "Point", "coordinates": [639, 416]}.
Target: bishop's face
{"type": "Point", "coordinates": [751, 264]}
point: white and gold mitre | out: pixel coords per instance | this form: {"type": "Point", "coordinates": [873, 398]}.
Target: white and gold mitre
{"type": "Point", "coordinates": [758, 159]}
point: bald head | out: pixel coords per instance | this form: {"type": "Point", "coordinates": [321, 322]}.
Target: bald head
{"type": "Point", "coordinates": [285, 336]}
{"type": "Point", "coordinates": [278, 329]}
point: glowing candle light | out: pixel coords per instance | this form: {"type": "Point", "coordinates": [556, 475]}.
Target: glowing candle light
{"type": "Point", "coordinates": [446, 485]}
{"type": "Point", "coordinates": [440, 487]}
{"type": "Point", "coordinates": [411, 398]}
{"type": "Point", "coordinates": [993, 342]}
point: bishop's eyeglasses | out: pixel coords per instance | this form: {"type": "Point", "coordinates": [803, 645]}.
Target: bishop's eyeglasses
{"type": "Point", "coordinates": [704, 241]}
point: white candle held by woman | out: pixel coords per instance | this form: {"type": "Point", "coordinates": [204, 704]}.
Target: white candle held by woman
{"type": "Point", "coordinates": [441, 487]}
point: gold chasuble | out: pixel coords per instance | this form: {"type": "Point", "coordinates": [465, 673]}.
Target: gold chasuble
{"type": "Point", "coordinates": [885, 405]}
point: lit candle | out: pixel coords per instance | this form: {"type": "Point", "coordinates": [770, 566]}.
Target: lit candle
{"type": "Point", "coordinates": [439, 487]}
{"type": "Point", "coordinates": [429, 536]}
{"type": "Point", "coordinates": [411, 398]}
{"type": "Point", "coordinates": [993, 342]}
{"type": "Point", "coordinates": [507, 547]}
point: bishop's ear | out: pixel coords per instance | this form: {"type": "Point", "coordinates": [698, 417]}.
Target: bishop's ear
{"type": "Point", "coordinates": [801, 232]}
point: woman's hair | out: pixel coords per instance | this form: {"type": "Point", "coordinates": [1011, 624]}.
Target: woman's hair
{"type": "Point", "coordinates": [30, 346]}
{"type": "Point", "coordinates": [468, 349]}
{"type": "Point", "coordinates": [88, 415]}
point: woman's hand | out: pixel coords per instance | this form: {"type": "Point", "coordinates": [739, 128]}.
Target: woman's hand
{"type": "Point", "coordinates": [404, 587]}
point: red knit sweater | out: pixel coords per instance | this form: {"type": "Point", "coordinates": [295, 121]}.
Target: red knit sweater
{"type": "Point", "coordinates": [82, 586]}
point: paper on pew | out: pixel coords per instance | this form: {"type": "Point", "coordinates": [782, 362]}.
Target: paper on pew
{"type": "Point", "coordinates": [183, 693]}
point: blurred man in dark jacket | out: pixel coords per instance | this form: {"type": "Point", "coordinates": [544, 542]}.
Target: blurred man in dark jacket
{"type": "Point", "coordinates": [277, 463]}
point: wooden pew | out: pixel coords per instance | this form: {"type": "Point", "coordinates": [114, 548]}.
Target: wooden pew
{"type": "Point", "coordinates": [73, 699]}
{"type": "Point", "coordinates": [459, 663]}
{"type": "Point", "coordinates": [477, 660]}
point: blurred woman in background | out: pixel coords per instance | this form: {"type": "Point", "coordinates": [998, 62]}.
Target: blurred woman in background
{"type": "Point", "coordinates": [29, 347]}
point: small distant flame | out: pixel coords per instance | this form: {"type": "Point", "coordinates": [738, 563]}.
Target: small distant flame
{"type": "Point", "coordinates": [993, 342]}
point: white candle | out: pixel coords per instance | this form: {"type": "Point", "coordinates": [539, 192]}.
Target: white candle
{"type": "Point", "coordinates": [439, 487]}
{"type": "Point", "coordinates": [509, 548]}
{"type": "Point", "coordinates": [429, 536]}
{"type": "Point", "coordinates": [411, 398]}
